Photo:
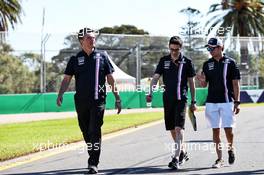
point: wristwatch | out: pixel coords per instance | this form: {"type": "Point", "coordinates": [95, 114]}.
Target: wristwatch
{"type": "Point", "coordinates": [193, 102]}
{"type": "Point", "coordinates": [237, 102]}
{"type": "Point", "coordinates": [118, 101]}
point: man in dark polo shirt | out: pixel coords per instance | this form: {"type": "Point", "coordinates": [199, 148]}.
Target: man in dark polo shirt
{"type": "Point", "coordinates": [90, 68]}
{"type": "Point", "coordinates": [222, 76]}
{"type": "Point", "coordinates": [177, 70]}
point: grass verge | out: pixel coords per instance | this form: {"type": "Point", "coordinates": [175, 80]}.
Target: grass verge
{"type": "Point", "coordinates": [23, 138]}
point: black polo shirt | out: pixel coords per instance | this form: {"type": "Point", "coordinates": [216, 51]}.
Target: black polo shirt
{"type": "Point", "coordinates": [175, 76]}
{"type": "Point", "coordinates": [219, 76]}
{"type": "Point", "coordinates": [90, 74]}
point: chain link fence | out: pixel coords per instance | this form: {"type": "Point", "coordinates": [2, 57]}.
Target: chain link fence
{"type": "Point", "coordinates": [44, 58]}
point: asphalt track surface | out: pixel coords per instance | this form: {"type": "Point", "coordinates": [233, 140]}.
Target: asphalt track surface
{"type": "Point", "coordinates": [148, 151]}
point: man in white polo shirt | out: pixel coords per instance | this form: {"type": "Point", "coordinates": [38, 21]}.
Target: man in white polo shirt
{"type": "Point", "coordinates": [222, 76]}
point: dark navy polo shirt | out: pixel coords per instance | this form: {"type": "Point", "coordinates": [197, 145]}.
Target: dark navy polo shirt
{"type": "Point", "coordinates": [219, 75]}
{"type": "Point", "coordinates": [90, 74]}
{"type": "Point", "coordinates": [175, 75]}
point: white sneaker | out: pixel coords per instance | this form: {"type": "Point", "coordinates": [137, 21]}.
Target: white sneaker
{"type": "Point", "coordinates": [174, 164]}
{"type": "Point", "coordinates": [92, 169]}
{"type": "Point", "coordinates": [218, 163]}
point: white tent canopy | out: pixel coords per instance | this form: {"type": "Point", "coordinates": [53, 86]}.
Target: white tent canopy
{"type": "Point", "coordinates": [120, 75]}
{"type": "Point", "coordinates": [123, 81]}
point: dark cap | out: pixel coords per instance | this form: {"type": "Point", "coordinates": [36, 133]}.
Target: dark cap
{"type": "Point", "coordinates": [214, 42]}
{"type": "Point", "coordinates": [176, 40]}
{"type": "Point", "coordinates": [84, 31]}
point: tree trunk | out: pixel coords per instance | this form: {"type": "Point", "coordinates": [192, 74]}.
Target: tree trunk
{"type": "Point", "coordinates": [244, 56]}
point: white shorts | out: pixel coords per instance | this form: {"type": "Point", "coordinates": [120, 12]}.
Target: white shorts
{"type": "Point", "coordinates": [220, 115]}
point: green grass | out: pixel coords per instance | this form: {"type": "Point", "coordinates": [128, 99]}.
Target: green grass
{"type": "Point", "coordinates": [23, 138]}
{"type": "Point", "coordinates": [251, 104]}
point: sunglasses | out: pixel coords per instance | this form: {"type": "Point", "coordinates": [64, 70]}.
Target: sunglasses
{"type": "Point", "coordinates": [211, 49]}
{"type": "Point", "coordinates": [174, 50]}
{"type": "Point", "coordinates": [88, 37]}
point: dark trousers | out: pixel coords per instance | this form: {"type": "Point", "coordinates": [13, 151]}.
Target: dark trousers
{"type": "Point", "coordinates": [174, 112]}
{"type": "Point", "coordinates": [90, 118]}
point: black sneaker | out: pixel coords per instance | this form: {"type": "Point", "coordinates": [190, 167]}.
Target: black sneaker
{"type": "Point", "coordinates": [183, 158]}
{"type": "Point", "coordinates": [174, 164]}
{"type": "Point", "coordinates": [92, 169]}
{"type": "Point", "coordinates": [231, 157]}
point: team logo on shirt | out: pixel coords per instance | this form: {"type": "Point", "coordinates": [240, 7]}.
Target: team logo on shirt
{"type": "Point", "coordinates": [211, 66]}
{"type": "Point", "coordinates": [98, 55]}
{"type": "Point", "coordinates": [167, 64]}
{"type": "Point", "coordinates": [80, 61]}
{"type": "Point", "coordinates": [227, 61]}
{"type": "Point", "coordinates": [182, 62]}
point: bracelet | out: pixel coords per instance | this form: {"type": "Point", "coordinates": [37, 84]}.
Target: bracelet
{"type": "Point", "coordinates": [237, 102]}
{"type": "Point", "coordinates": [193, 102]}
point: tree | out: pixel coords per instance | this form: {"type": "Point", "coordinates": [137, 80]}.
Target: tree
{"type": "Point", "coordinates": [10, 11]}
{"type": "Point", "coordinates": [261, 70]}
{"type": "Point", "coordinates": [244, 18]}
{"type": "Point", "coordinates": [123, 29]}
{"type": "Point", "coordinates": [191, 37]}
{"type": "Point", "coordinates": [14, 76]}
{"type": "Point", "coordinates": [119, 47]}
{"type": "Point", "coordinates": [193, 25]}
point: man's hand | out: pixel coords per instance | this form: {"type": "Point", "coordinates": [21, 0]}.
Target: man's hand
{"type": "Point", "coordinates": [193, 107]}
{"type": "Point", "coordinates": [236, 109]}
{"type": "Point", "coordinates": [149, 98]}
{"type": "Point", "coordinates": [201, 78]}
{"type": "Point", "coordinates": [118, 106]}
{"type": "Point", "coordinates": [59, 100]}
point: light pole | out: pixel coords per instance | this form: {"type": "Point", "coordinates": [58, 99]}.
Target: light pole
{"type": "Point", "coordinates": [43, 63]}
{"type": "Point", "coordinates": [43, 42]}
{"type": "Point", "coordinates": [138, 64]}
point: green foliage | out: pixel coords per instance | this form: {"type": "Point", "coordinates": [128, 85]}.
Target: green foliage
{"type": "Point", "coordinates": [243, 18]}
{"type": "Point", "coordinates": [193, 44]}
{"type": "Point", "coordinates": [123, 29]}
{"type": "Point", "coordinates": [236, 13]}
{"type": "Point", "coordinates": [5, 48]}
{"type": "Point", "coordinates": [193, 25]}
{"type": "Point", "coordinates": [10, 11]}
{"type": "Point", "coordinates": [233, 54]}
{"type": "Point", "coordinates": [261, 70]}
{"type": "Point", "coordinates": [121, 48]}
{"type": "Point", "coordinates": [21, 74]}
{"type": "Point", "coordinates": [14, 76]}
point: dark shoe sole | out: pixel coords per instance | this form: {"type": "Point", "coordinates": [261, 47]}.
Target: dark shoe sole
{"type": "Point", "coordinates": [172, 166]}
{"type": "Point", "coordinates": [231, 158]}
{"type": "Point", "coordinates": [92, 171]}
{"type": "Point", "coordinates": [185, 159]}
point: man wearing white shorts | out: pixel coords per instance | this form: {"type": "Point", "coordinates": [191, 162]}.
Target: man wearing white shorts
{"type": "Point", "coordinates": [222, 76]}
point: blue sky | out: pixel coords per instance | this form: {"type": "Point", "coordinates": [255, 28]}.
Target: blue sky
{"type": "Point", "coordinates": [158, 17]}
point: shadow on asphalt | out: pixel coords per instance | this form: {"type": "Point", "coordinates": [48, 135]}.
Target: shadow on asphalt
{"type": "Point", "coordinates": [241, 172]}
{"type": "Point", "coordinates": [136, 170]}
{"type": "Point", "coordinates": [159, 169]}
{"type": "Point", "coordinates": [143, 170]}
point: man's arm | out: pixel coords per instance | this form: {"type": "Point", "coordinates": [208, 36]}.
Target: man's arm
{"type": "Point", "coordinates": [111, 82]}
{"type": "Point", "coordinates": [236, 88]}
{"type": "Point", "coordinates": [192, 89]}
{"type": "Point", "coordinates": [154, 82]}
{"type": "Point", "coordinates": [64, 86]}
{"type": "Point", "coordinates": [201, 78]}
